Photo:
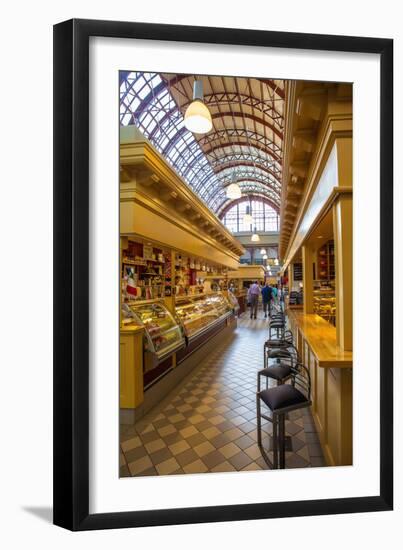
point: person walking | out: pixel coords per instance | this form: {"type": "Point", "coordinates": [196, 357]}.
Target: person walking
{"type": "Point", "coordinates": [267, 293]}
{"type": "Point", "coordinates": [253, 299]}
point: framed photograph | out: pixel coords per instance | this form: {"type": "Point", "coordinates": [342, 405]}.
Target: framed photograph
{"type": "Point", "coordinates": [223, 251]}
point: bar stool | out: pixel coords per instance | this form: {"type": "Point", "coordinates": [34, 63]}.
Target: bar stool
{"type": "Point", "coordinates": [287, 338]}
{"type": "Point", "coordinates": [280, 372]}
{"type": "Point", "coordinates": [279, 348]}
{"type": "Point", "coordinates": [286, 355]}
{"type": "Point", "coordinates": [280, 400]}
{"type": "Point", "coordinates": [277, 323]}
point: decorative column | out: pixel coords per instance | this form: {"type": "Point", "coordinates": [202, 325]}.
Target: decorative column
{"type": "Point", "coordinates": [290, 277]}
{"type": "Point", "coordinates": [307, 277]}
{"type": "Point", "coordinates": [343, 251]}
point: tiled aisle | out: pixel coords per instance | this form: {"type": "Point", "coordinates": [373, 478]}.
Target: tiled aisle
{"type": "Point", "coordinates": [208, 422]}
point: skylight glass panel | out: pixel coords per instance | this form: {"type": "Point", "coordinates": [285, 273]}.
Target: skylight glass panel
{"type": "Point", "coordinates": [146, 101]}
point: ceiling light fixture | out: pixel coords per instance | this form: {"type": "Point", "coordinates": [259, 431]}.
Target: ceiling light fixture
{"type": "Point", "coordinates": [255, 237]}
{"type": "Point", "coordinates": [233, 189]}
{"type": "Point", "coordinates": [276, 261]}
{"type": "Point", "coordinates": [197, 116]}
{"type": "Point", "coordinates": [262, 251]}
{"type": "Point", "coordinates": [265, 256]}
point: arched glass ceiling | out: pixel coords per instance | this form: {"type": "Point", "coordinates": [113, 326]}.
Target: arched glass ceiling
{"type": "Point", "coordinates": [144, 101]}
{"type": "Point", "coordinates": [246, 136]}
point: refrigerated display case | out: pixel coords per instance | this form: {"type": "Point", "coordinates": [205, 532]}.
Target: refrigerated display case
{"type": "Point", "coordinates": [198, 314]}
{"type": "Point", "coordinates": [163, 335]}
{"type": "Point", "coordinates": [324, 304]}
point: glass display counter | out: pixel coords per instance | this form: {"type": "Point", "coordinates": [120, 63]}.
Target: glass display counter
{"type": "Point", "coordinates": [163, 335]}
{"type": "Point", "coordinates": [324, 304]}
{"type": "Point", "coordinates": [198, 314]}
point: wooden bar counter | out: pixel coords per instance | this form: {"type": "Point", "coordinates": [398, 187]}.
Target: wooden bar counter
{"type": "Point", "coordinates": [331, 375]}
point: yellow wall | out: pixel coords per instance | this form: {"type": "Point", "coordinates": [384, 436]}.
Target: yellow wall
{"type": "Point", "coordinates": [138, 220]}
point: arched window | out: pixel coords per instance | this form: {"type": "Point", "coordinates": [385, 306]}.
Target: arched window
{"type": "Point", "coordinates": [265, 218]}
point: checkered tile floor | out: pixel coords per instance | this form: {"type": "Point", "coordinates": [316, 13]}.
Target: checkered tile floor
{"type": "Point", "coordinates": [208, 422]}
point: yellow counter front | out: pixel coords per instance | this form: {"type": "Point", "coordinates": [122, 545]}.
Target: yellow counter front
{"type": "Point", "coordinates": [331, 377]}
{"type": "Point", "coordinates": [131, 371]}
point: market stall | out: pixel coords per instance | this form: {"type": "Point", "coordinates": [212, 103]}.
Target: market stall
{"type": "Point", "coordinates": [169, 242]}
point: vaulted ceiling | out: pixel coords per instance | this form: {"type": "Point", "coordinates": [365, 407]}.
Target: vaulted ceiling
{"type": "Point", "coordinates": [246, 138]}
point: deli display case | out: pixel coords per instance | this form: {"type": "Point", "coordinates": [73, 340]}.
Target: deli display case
{"type": "Point", "coordinates": [163, 335]}
{"type": "Point", "coordinates": [324, 304]}
{"type": "Point", "coordinates": [198, 314]}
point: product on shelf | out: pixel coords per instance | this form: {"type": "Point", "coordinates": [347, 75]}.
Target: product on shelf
{"type": "Point", "coordinates": [297, 270]}
{"type": "Point", "coordinates": [325, 262]}
{"type": "Point", "coordinates": [324, 304]}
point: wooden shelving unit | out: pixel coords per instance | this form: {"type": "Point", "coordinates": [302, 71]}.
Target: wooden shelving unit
{"type": "Point", "coordinates": [297, 270]}
{"type": "Point", "coordinates": [325, 262]}
{"type": "Point", "coordinates": [148, 272]}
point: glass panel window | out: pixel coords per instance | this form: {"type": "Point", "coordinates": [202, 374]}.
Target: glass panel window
{"type": "Point", "coordinates": [265, 218]}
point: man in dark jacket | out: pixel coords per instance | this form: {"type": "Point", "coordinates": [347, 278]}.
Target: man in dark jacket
{"type": "Point", "coordinates": [267, 293]}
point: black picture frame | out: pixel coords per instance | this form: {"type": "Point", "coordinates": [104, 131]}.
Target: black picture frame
{"type": "Point", "coordinates": [71, 271]}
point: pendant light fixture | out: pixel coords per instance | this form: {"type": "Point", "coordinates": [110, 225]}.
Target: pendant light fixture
{"type": "Point", "coordinates": [233, 190]}
{"type": "Point", "coordinates": [263, 251]}
{"type": "Point", "coordinates": [255, 237]}
{"type": "Point", "coordinates": [247, 219]}
{"type": "Point", "coordinates": [197, 116]}
{"type": "Point", "coordinates": [265, 256]}
{"type": "Point", "coordinates": [276, 261]}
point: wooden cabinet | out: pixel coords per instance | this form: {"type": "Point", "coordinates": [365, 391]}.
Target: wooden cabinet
{"type": "Point", "coordinates": [131, 368]}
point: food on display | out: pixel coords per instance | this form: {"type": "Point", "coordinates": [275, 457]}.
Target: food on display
{"type": "Point", "coordinates": [161, 329]}
{"type": "Point", "coordinates": [199, 312]}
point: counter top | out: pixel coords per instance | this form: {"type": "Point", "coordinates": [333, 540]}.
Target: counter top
{"type": "Point", "coordinates": [321, 338]}
{"type": "Point", "coordinates": [131, 329]}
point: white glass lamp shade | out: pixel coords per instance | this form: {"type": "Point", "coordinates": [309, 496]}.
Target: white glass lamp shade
{"type": "Point", "coordinates": [263, 251]}
{"type": "Point", "coordinates": [276, 261]}
{"type": "Point", "coordinates": [234, 191]}
{"type": "Point", "coordinates": [255, 237]}
{"type": "Point", "coordinates": [198, 117]}
{"type": "Point", "coordinates": [265, 256]}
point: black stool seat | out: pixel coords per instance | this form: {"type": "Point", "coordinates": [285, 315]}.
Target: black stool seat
{"type": "Point", "coordinates": [278, 352]}
{"type": "Point", "coordinates": [277, 372]}
{"type": "Point", "coordinates": [280, 397]}
{"type": "Point", "coordinates": [277, 343]}
{"type": "Point", "coordinates": [276, 324]}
